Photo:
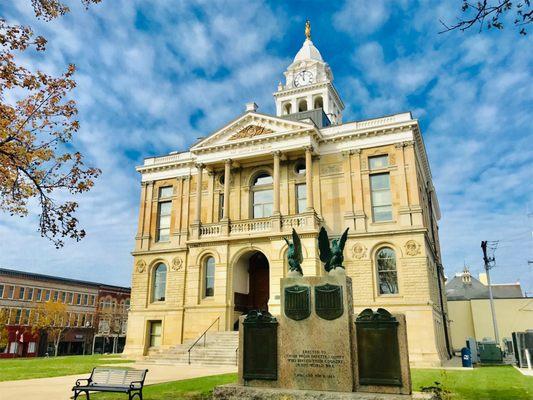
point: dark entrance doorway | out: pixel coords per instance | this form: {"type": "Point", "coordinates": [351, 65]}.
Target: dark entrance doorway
{"type": "Point", "coordinates": [251, 283]}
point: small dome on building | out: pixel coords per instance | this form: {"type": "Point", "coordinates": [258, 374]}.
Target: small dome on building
{"type": "Point", "coordinates": [308, 52]}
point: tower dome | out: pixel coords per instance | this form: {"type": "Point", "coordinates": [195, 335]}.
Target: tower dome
{"type": "Point", "coordinates": [308, 52]}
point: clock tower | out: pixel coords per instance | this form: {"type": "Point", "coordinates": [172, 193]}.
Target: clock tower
{"type": "Point", "coordinates": [308, 85]}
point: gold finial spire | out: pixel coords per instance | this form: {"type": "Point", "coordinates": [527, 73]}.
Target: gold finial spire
{"type": "Point", "coordinates": [308, 29]}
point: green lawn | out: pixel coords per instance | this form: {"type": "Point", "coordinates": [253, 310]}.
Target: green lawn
{"type": "Point", "coordinates": [485, 383]}
{"type": "Point", "coordinates": [44, 367]}
{"type": "Point", "coordinates": [197, 388]}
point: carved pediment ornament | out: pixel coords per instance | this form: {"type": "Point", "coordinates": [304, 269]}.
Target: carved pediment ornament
{"type": "Point", "coordinates": [140, 266]}
{"type": "Point", "coordinates": [412, 248]}
{"type": "Point", "coordinates": [359, 251]}
{"type": "Point", "coordinates": [177, 263]}
{"type": "Point", "coordinates": [251, 131]}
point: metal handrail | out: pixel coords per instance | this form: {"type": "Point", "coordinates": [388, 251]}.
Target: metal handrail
{"type": "Point", "coordinates": [216, 321]}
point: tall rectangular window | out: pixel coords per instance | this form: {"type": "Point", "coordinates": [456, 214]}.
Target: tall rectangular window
{"type": "Point", "coordinates": [85, 299]}
{"type": "Point", "coordinates": [70, 296]}
{"type": "Point", "coordinates": [29, 294]}
{"type": "Point", "coordinates": [163, 214]}
{"type": "Point", "coordinates": [38, 294]}
{"type": "Point", "coordinates": [78, 299]}
{"type": "Point", "coordinates": [155, 333]}
{"type": "Point", "coordinates": [18, 313]}
{"type": "Point", "coordinates": [1, 291]}
{"type": "Point", "coordinates": [220, 206]}
{"type": "Point", "coordinates": [381, 197]}
{"type": "Point", "coordinates": [64, 297]}
{"type": "Point", "coordinates": [10, 292]}
{"type": "Point", "coordinates": [56, 295]}
{"type": "Point", "coordinates": [378, 162]}
{"type": "Point", "coordinates": [22, 290]}
{"type": "Point", "coordinates": [301, 198]}
{"type": "Point", "coordinates": [46, 295]}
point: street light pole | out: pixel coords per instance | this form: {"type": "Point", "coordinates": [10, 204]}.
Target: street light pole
{"type": "Point", "coordinates": [487, 261]}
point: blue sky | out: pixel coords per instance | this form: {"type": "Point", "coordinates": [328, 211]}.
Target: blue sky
{"type": "Point", "coordinates": [154, 76]}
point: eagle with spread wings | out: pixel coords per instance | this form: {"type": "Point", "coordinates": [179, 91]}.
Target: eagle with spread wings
{"type": "Point", "coordinates": [294, 255]}
{"type": "Point", "coordinates": [331, 257]}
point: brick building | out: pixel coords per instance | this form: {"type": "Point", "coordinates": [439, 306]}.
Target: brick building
{"type": "Point", "coordinates": [21, 293]}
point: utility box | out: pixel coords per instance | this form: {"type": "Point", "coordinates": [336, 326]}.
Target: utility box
{"type": "Point", "coordinates": [490, 353]}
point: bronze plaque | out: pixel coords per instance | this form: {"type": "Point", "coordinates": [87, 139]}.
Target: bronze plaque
{"type": "Point", "coordinates": [378, 352]}
{"type": "Point", "coordinates": [328, 301]}
{"type": "Point", "coordinates": [260, 356]}
{"type": "Point", "coordinates": [298, 302]}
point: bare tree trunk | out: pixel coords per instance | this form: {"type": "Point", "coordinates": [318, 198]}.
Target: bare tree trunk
{"type": "Point", "coordinates": [57, 345]}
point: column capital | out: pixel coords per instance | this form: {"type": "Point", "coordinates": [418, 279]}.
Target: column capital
{"type": "Point", "coordinates": [408, 143]}
{"type": "Point", "coordinates": [277, 153]}
{"type": "Point", "coordinates": [356, 151]}
{"type": "Point", "coordinates": [228, 161]}
{"type": "Point", "coordinates": [199, 166]}
{"type": "Point", "coordinates": [309, 148]}
{"type": "Point", "coordinates": [347, 153]}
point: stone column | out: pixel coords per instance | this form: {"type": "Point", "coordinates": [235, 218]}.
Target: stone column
{"type": "Point", "coordinates": [211, 195]}
{"type": "Point", "coordinates": [347, 167]}
{"type": "Point", "coordinates": [309, 177]}
{"type": "Point", "coordinates": [360, 217]}
{"type": "Point", "coordinates": [198, 210]}
{"type": "Point", "coordinates": [277, 155]}
{"type": "Point", "coordinates": [404, 211]}
{"type": "Point", "coordinates": [227, 178]}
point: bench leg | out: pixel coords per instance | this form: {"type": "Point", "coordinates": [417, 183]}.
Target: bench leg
{"type": "Point", "coordinates": [139, 394]}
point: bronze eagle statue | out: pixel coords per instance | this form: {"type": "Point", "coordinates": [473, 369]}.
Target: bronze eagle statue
{"type": "Point", "coordinates": [331, 257]}
{"type": "Point", "coordinates": [294, 255]}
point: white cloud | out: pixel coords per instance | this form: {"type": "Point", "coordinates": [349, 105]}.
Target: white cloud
{"type": "Point", "coordinates": [362, 17]}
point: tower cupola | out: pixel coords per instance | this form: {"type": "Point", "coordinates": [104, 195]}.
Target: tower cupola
{"type": "Point", "coordinates": [308, 85]}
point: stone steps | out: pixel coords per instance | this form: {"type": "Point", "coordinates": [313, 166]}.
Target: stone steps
{"type": "Point", "coordinates": [219, 349]}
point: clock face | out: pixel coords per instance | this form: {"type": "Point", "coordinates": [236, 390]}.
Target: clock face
{"type": "Point", "coordinates": [303, 78]}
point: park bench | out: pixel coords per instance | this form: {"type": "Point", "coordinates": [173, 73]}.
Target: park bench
{"type": "Point", "coordinates": [129, 381]}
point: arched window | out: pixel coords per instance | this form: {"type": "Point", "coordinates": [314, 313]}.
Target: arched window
{"type": "Point", "coordinates": [318, 102]}
{"type": "Point", "coordinates": [209, 277]}
{"type": "Point", "coordinates": [302, 105]}
{"type": "Point", "coordinates": [287, 109]}
{"type": "Point", "coordinates": [387, 272]}
{"type": "Point", "coordinates": [160, 282]}
{"type": "Point", "coordinates": [262, 196]}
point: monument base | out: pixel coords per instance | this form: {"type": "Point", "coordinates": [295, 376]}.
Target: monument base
{"type": "Point", "coordinates": [239, 392]}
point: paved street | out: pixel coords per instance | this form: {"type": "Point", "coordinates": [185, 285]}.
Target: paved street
{"type": "Point", "coordinates": [58, 388]}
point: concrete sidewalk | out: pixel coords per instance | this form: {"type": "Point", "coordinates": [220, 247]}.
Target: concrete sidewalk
{"type": "Point", "coordinates": [59, 388]}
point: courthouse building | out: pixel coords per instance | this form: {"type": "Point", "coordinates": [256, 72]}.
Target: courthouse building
{"type": "Point", "coordinates": [212, 219]}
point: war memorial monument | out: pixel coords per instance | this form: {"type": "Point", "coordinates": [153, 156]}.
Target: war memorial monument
{"type": "Point", "coordinates": [317, 348]}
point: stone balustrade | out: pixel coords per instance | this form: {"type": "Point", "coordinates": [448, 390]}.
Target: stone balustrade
{"type": "Point", "coordinates": [260, 225]}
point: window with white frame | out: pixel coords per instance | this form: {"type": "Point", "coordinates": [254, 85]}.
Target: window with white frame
{"type": "Point", "coordinates": [209, 277]}
{"type": "Point", "coordinates": [381, 197]}
{"type": "Point", "coordinates": [262, 196]}
{"type": "Point", "coordinates": [387, 271]}
{"type": "Point", "coordinates": [378, 162]}
{"type": "Point", "coordinates": [29, 294]}
{"type": "Point", "coordinates": [159, 282]}
{"type": "Point", "coordinates": [301, 197]}
{"type": "Point", "coordinates": [46, 295]}
{"type": "Point", "coordinates": [22, 290]}
{"type": "Point", "coordinates": [1, 291]}
{"type": "Point", "coordinates": [10, 292]}
{"type": "Point", "coordinates": [38, 294]}
{"type": "Point", "coordinates": [164, 210]}
{"type": "Point", "coordinates": [155, 333]}
{"type": "Point", "coordinates": [32, 347]}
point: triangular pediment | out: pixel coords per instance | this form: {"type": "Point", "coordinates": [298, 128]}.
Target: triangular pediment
{"type": "Point", "coordinates": [251, 126]}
